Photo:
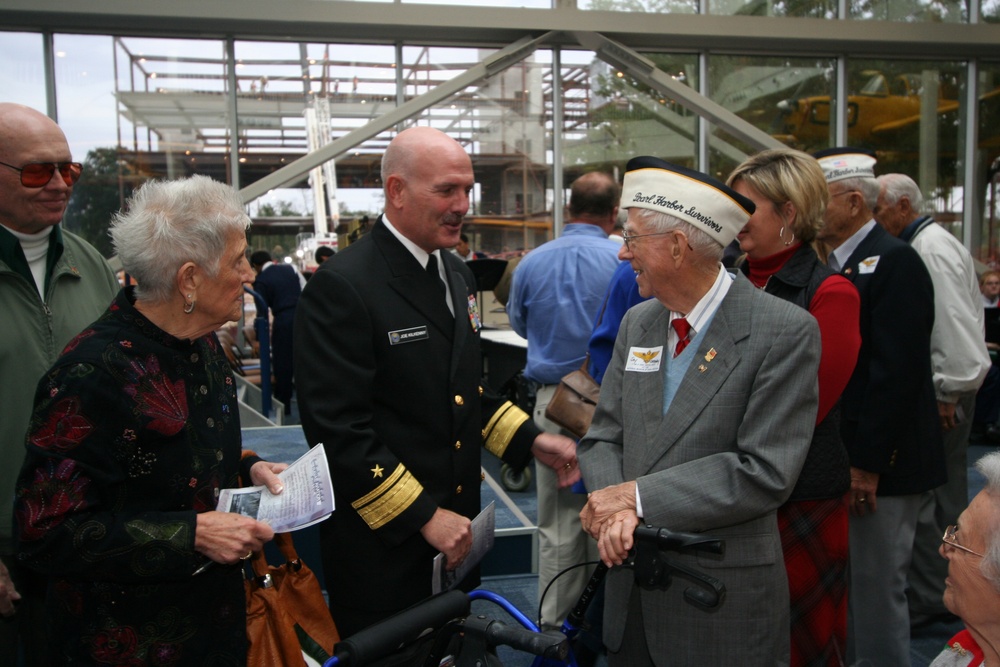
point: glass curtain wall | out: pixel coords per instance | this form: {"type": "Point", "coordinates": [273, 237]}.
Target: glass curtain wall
{"type": "Point", "coordinates": [625, 117]}
{"type": "Point", "coordinates": [22, 77]}
{"type": "Point", "coordinates": [141, 108]}
{"type": "Point", "coordinates": [898, 10]}
{"type": "Point", "coordinates": [912, 114]}
{"type": "Point", "coordinates": [789, 98]}
{"type": "Point", "coordinates": [987, 237]}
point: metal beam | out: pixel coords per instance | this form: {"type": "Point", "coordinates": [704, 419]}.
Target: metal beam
{"type": "Point", "coordinates": [467, 25]}
{"type": "Point", "coordinates": [491, 65]}
{"type": "Point", "coordinates": [645, 70]}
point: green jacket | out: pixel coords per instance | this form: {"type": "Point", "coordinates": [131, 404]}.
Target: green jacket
{"type": "Point", "coordinates": [80, 287]}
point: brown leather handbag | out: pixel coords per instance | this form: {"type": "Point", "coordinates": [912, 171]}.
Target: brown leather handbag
{"type": "Point", "coordinates": [286, 612]}
{"type": "Point", "coordinates": [574, 401]}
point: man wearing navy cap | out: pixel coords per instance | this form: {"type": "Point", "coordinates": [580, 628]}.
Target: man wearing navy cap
{"type": "Point", "coordinates": [890, 422]}
{"type": "Point", "coordinates": [704, 421]}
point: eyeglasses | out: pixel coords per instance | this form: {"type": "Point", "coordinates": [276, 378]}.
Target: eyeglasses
{"type": "Point", "coordinates": [628, 238]}
{"type": "Point", "coordinates": [951, 540]}
{"type": "Point", "coordinates": [38, 174]}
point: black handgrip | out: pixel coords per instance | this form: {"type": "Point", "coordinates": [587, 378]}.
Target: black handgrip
{"type": "Point", "coordinates": [680, 542]}
{"type": "Point", "coordinates": [551, 645]}
{"type": "Point", "coordinates": [385, 637]}
{"type": "Point", "coordinates": [579, 613]}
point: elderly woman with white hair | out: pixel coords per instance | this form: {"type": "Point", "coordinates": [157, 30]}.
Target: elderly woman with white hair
{"type": "Point", "coordinates": [972, 589]}
{"type": "Point", "coordinates": [135, 431]}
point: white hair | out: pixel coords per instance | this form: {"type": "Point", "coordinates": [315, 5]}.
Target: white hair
{"type": "Point", "coordinates": [897, 186]}
{"type": "Point", "coordinates": [168, 223]}
{"type": "Point", "coordinates": [989, 466]}
{"type": "Point", "coordinates": [705, 247]}
{"type": "Point", "coordinates": [867, 186]}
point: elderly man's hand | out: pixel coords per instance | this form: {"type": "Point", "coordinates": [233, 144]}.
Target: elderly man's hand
{"type": "Point", "coordinates": [617, 537]}
{"type": "Point", "coordinates": [8, 594]}
{"type": "Point", "coordinates": [559, 453]}
{"type": "Point", "coordinates": [862, 499]}
{"type": "Point", "coordinates": [602, 505]}
{"type": "Point", "coordinates": [265, 473]}
{"type": "Point", "coordinates": [946, 411]}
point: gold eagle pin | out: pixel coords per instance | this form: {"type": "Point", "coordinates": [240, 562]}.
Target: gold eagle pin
{"type": "Point", "coordinates": [647, 356]}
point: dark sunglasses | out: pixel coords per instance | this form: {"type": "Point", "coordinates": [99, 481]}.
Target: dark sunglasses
{"type": "Point", "coordinates": [38, 174]}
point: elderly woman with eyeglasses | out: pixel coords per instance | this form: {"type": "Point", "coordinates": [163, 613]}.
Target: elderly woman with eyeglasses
{"type": "Point", "coordinates": [135, 431]}
{"type": "Point", "coordinates": [972, 589]}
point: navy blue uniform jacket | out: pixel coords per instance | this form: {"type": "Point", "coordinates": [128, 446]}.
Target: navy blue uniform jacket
{"type": "Point", "coordinates": [390, 382]}
{"type": "Point", "coordinates": [890, 420]}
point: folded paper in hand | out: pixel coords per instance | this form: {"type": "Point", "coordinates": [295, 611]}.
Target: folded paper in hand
{"type": "Point", "coordinates": [307, 497]}
{"type": "Point", "coordinates": [483, 531]}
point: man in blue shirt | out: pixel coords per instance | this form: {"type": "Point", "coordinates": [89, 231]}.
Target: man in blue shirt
{"type": "Point", "coordinates": [556, 295]}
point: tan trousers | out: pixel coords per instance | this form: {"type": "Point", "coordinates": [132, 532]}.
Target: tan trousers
{"type": "Point", "coordinates": [561, 540]}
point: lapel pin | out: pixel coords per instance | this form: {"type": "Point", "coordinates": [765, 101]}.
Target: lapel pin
{"type": "Point", "coordinates": [702, 368]}
{"type": "Point", "coordinates": [848, 271]}
{"type": "Point", "coordinates": [710, 354]}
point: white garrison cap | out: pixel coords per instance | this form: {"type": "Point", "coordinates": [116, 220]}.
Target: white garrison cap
{"type": "Point", "coordinates": [846, 162]}
{"type": "Point", "coordinates": [690, 195]}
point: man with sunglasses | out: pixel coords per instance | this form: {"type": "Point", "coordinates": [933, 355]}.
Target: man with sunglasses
{"type": "Point", "coordinates": [52, 284]}
{"type": "Point", "coordinates": [889, 413]}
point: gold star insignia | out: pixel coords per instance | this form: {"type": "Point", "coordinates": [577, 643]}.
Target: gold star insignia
{"type": "Point", "coordinates": [377, 470]}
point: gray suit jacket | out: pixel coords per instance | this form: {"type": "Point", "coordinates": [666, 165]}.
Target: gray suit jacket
{"type": "Point", "coordinates": [722, 460]}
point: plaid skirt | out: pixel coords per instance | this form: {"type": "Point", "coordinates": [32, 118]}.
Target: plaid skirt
{"type": "Point", "coordinates": [814, 540]}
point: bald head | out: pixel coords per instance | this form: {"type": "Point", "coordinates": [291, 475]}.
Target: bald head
{"type": "Point", "coordinates": [414, 145]}
{"type": "Point", "coordinates": [29, 136]}
{"type": "Point", "coordinates": [427, 178]}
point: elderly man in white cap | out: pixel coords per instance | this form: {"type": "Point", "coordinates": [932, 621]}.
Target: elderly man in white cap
{"type": "Point", "coordinates": [704, 421]}
{"type": "Point", "coordinates": [889, 415]}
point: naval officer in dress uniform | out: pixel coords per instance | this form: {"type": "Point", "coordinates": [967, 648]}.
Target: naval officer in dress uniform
{"type": "Point", "coordinates": [387, 365]}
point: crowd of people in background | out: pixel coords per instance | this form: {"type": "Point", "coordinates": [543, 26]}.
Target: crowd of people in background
{"type": "Point", "coordinates": [811, 406]}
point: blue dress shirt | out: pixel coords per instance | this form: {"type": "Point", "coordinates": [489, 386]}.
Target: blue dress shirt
{"type": "Point", "coordinates": [623, 293]}
{"type": "Point", "coordinates": [557, 292]}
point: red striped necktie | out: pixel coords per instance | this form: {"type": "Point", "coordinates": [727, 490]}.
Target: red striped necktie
{"type": "Point", "coordinates": [682, 328]}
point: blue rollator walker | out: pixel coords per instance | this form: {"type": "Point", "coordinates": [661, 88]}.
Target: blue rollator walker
{"type": "Point", "coordinates": [465, 640]}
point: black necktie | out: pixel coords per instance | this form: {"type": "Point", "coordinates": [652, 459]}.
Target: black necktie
{"type": "Point", "coordinates": [432, 271]}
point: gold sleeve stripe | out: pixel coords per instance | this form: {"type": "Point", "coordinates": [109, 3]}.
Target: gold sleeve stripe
{"type": "Point", "coordinates": [501, 428]}
{"type": "Point", "coordinates": [389, 499]}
